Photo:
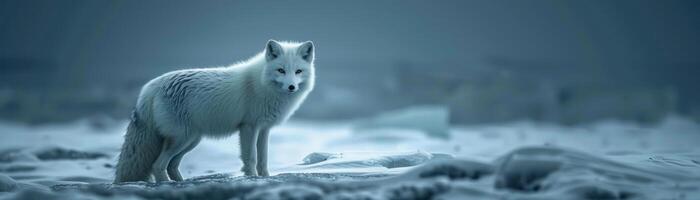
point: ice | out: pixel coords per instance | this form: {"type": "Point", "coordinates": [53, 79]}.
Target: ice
{"type": "Point", "coordinates": [287, 192]}
{"type": "Point", "coordinates": [335, 160]}
{"type": "Point", "coordinates": [317, 157]}
{"type": "Point", "coordinates": [60, 153]}
{"type": "Point", "coordinates": [453, 170]}
{"type": "Point", "coordinates": [7, 184]}
{"type": "Point", "coordinates": [365, 162]}
{"type": "Point", "coordinates": [15, 155]}
{"type": "Point", "coordinates": [527, 173]}
{"type": "Point", "coordinates": [407, 160]}
{"type": "Point", "coordinates": [431, 119]}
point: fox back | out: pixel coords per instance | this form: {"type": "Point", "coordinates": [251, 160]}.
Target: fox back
{"type": "Point", "coordinates": [265, 90]}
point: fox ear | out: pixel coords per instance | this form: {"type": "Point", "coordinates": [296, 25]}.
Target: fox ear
{"type": "Point", "coordinates": [272, 50]}
{"type": "Point", "coordinates": [306, 51]}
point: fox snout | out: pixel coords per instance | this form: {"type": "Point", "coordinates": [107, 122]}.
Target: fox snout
{"type": "Point", "coordinates": [292, 88]}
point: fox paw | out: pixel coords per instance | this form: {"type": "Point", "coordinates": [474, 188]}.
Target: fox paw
{"type": "Point", "coordinates": [249, 172]}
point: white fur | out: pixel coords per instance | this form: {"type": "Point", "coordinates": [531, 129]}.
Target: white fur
{"type": "Point", "coordinates": [175, 110]}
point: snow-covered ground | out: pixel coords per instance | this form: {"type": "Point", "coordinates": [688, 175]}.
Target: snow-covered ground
{"type": "Point", "coordinates": [351, 160]}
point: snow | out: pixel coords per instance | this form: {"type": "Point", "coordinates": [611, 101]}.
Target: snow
{"type": "Point", "coordinates": [337, 160]}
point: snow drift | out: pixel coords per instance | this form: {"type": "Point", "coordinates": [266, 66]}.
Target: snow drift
{"type": "Point", "coordinates": [527, 173]}
{"type": "Point", "coordinates": [520, 160]}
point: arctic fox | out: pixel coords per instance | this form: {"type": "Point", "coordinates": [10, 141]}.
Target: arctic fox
{"type": "Point", "coordinates": [175, 110]}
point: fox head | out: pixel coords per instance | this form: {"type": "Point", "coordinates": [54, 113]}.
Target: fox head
{"type": "Point", "coordinates": [289, 66]}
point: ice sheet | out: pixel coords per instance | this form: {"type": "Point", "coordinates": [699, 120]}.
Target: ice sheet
{"type": "Point", "coordinates": [519, 160]}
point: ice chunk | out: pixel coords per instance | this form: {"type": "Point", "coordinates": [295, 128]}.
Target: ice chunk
{"type": "Point", "coordinates": [451, 169]}
{"type": "Point", "coordinates": [7, 184]}
{"type": "Point", "coordinates": [431, 119]}
{"type": "Point", "coordinates": [579, 175]}
{"type": "Point", "coordinates": [416, 190]}
{"type": "Point", "coordinates": [317, 157]}
{"type": "Point", "coordinates": [354, 160]}
{"type": "Point", "coordinates": [405, 160]}
{"type": "Point", "coordinates": [16, 168]}
{"type": "Point", "coordinates": [526, 175]}
{"type": "Point", "coordinates": [14, 155]}
{"type": "Point", "coordinates": [597, 191]}
{"type": "Point", "coordinates": [60, 153]}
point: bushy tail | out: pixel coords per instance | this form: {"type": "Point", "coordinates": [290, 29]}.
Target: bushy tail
{"type": "Point", "coordinates": [141, 147]}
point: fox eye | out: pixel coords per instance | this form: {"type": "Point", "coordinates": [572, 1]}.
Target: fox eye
{"type": "Point", "coordinates": [298, 71]}
{"type": "Point", "coordinates": [280, 70]}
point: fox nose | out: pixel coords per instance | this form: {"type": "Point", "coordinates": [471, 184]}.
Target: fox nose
{"type": "Point", "coordinates": [291, 88]}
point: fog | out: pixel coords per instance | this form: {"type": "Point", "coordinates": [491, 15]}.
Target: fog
{"type": "Point", "coordinates": [489, 61]}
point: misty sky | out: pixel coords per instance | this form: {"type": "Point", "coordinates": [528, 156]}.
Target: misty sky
{"type": "Point", "coordinates": [626, 42]}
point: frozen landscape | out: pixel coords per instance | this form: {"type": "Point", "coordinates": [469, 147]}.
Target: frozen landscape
{"type": "Point", "coordinates": [452, 99]}
{"type": "Point", "coordinates": [374, 158]}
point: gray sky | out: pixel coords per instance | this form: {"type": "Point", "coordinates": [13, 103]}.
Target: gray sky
{"type": "Point", "coordinates": [640, 43]}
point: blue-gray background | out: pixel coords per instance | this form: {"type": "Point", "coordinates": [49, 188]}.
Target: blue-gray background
{"type": "Point", "coordinates": [489, 61]}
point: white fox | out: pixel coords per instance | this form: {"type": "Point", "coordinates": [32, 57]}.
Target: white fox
{"type": "Point", "coordinates": [175, 110]}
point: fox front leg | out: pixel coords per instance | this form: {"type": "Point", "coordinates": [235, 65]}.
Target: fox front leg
{"type": "Point", "coordinates": [262, 152]}
{"type": "Point", "coordinates": [248, 140]}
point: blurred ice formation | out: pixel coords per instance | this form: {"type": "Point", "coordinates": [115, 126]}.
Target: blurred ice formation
{"type": "Point", "coordinates": [431, 119]}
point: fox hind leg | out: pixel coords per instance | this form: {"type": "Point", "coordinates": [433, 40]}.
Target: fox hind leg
{"type": "Point", "coordinates": [174, 165]}
{"type": "Point", "coordinates": [171, 147]}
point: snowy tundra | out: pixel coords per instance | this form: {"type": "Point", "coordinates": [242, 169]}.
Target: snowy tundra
{"type": "Point", "coordinates": [175, 110]}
